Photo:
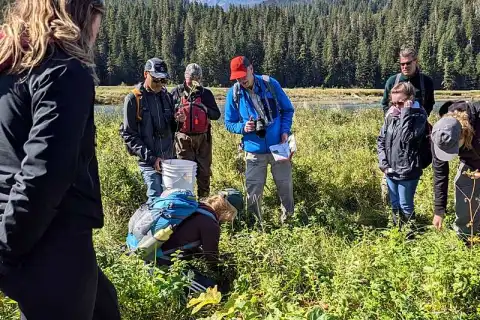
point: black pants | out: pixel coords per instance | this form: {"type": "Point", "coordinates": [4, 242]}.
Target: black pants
{"type": "Point", "coordinates": [60, 279]}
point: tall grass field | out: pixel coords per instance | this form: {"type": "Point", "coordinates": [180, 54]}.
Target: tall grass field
{"type": "Point", "coordinates": [336, 258]}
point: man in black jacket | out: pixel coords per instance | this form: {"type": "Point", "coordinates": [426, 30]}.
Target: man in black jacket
{"type": "Point", "coordinates": [194, 139]}
{"type": "Point", "coordinates": [149, 122]}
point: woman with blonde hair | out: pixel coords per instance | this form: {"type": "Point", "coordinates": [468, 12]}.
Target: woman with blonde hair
{"type": "Point", "coordinates": [49, 185]}
{"type": "Point", "coordinates": [457, 134]}
{"type": "Point", "coordinates": [399, 150]}
{"type": "Point", "coordinates": [198, 236]}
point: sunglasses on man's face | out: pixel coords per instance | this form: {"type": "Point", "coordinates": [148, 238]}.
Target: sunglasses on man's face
{"type": "Point", "coordinates": [159, 80]}
{"type": "Point", "coordinates": [408, 63]}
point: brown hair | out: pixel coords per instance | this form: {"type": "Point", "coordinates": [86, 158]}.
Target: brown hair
{"type": "Point", "coordinates": [31, 26]}
{"type": "Point", "coordinates": [467, 129]}
{"type": "Point", "coordinates": [224, 211]}
{"type": "Point", "coordinates": [406, 88]}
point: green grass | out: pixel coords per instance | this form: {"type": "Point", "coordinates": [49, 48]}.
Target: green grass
{"type": "Point", "coordinates": [336, 259]}
{"type": "Point", "coordinates": [114, 95]}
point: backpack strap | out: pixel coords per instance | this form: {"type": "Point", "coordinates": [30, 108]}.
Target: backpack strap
{"type": "Point", "coordinates": [266, 80]}
{"type": "Point", "coordinates": [138, 95]}
{"type": "Point", "coordinates": [397, 79]}
{"type": "Point", "coordinates": [422, 88]}
{"type": "Point", "coordinates": [268, 84]}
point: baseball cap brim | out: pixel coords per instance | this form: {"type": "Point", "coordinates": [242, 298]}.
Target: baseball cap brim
{"type": "Point", "coordinates": [459, 105]}
{"type": "Point", "coordinates": [159, 75]}
{"type": "Point", "coordinates": [238, 74]}
{"type": "Point", "coordinates": [446, 155]}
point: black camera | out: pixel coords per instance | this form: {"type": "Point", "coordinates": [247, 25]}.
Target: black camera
{"type": "Point", "coordinates": [260, 128]}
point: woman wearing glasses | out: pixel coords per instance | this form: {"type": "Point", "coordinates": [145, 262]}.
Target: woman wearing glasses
{"type": "Point", "coordinates": [399, 150]}
{"type": "Point", "coordinates": [49, 186]}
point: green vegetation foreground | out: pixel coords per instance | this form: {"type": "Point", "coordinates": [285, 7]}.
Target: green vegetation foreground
{"type": "Point", "coordinates": [336, 259]}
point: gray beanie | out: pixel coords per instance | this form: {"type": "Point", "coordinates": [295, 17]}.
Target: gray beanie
{"type": "Point", "coordinates": [194, 71]}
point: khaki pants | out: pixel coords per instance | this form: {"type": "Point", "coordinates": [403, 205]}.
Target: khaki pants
{"type": "Point", "coordinates": [256, 175]}
{"type": "Point", "coordinates": [198, 148]}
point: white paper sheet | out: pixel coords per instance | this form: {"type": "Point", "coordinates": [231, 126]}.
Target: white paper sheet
{"type": "Point", "coordinates": [282, 151]}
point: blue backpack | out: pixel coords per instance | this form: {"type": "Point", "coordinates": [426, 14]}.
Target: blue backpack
{"type": "Point", "coordinates": [152, 225]}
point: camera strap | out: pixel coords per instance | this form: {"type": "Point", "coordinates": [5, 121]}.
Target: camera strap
{"type": "Point", "coordinates": [262, 110]}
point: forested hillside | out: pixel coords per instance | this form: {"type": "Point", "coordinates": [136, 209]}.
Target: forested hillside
{"type": "Point", "coordinates": [341, 43]}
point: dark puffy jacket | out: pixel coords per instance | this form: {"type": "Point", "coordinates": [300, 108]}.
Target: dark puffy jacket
{"type": "Point", "coordinates": [48, 167]}
{"type": "Point", "coordinates": [399, 141]}
{"type": "Point", "coordinates": [152, 137]}
{"type": "Point", "coordinates": [206, 95]}
{"type": "Point", "coordinates": [470, 157]}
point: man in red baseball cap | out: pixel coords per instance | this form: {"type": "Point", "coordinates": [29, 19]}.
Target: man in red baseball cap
{"type": "Point", "coordinates": [239, 67]}
{"type": "Point", "coordinates": [257, 108]}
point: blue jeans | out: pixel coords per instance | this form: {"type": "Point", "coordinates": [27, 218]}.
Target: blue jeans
{"type": "Point", "coordinates": [153, 180]}
{"type": "Point", "coordinates": [401, 193]}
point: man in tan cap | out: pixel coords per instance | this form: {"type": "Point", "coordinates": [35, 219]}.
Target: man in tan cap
{"type": "Point", "coordinates": [193, 141]}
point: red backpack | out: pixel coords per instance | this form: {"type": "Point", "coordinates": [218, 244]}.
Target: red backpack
{"type": "Point", "coordinates": [196, 113]}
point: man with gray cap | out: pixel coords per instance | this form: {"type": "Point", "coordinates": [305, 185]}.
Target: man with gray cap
{"type": "Point", "coordinates": [149, 122]}
{"type": "Point", "coordinates": [457, 133]}
{"type": "Point", "coordinates": [193, 141]}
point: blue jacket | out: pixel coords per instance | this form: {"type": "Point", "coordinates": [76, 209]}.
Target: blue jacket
{"type": "Point", "coordinates": [282, 115]}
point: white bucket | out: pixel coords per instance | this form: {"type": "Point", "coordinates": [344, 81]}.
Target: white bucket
{"type": "Point", "coordinates": [179, 174]}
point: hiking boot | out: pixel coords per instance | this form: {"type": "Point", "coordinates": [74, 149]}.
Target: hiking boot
{"type": "Point", "coordinates": [409, 222]}
{"type": "Point", "coordinates": [395, 217]}
{"type": "Point", "coordinates": [406, 219]}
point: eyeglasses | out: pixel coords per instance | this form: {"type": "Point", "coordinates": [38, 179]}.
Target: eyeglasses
{"type": "Point", "coordinates": [397, 104]}
{"type": "Point", "coordinates": [159, 80]}
{"type": "Point", "coordinates": [408, 63]}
